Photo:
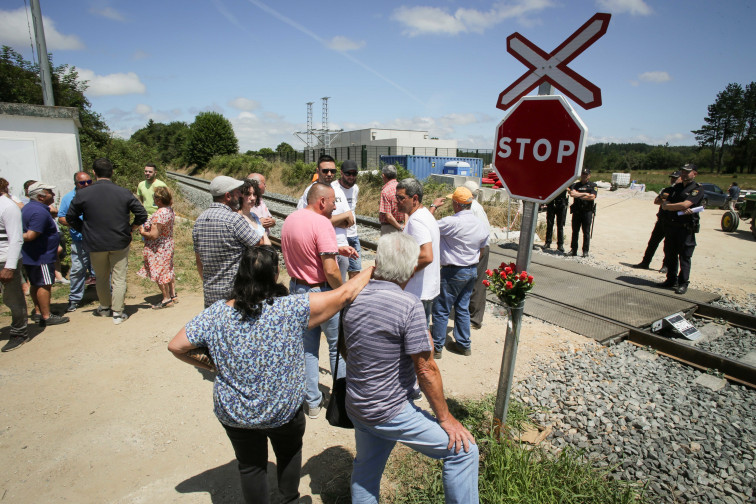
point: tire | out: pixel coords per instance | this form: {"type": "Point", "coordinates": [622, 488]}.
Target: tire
{"type": "Point", "coordinates": [730, 221]}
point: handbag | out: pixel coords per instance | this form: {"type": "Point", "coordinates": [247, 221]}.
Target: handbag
{"type": "Point", "coordinates": [336, 412]}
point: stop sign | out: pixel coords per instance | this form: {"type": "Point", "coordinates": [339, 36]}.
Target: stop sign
{"type": "Point", "coordinates": [539, 148]}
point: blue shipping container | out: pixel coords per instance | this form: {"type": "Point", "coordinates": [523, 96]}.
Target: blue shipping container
{"type": "Point", "coordinates": [423, 167]}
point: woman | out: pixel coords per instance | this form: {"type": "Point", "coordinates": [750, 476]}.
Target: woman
{"type": "Point", "coordinates": [250, 196]}
{"type": "Point", "coordinates": [255, 342]}
{"type": "Point", "coordinates": [158, 248]}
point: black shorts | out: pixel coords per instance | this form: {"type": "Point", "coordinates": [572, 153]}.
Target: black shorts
{"type": "Point", "coordinates": [40, 275]}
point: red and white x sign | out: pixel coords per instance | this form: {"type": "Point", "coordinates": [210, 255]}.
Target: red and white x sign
{"type": "Point", "coordinates": [553, 67]}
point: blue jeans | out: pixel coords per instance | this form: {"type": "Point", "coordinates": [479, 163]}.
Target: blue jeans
{"type": "Point", "coordinates": [457, 283]}
{"type": "Point", "coordinates": [311, 342]}
{"type": "Point", "coordinates": [355, 264]}
{"type": "Point", "coordinates": [80, 268]}
{"type": "Point", "coordinates": [428, 308]}
{"type": "Point", "coordinates": [418, 430]}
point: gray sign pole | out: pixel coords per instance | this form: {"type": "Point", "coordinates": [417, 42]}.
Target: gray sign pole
{"type": "Point", "coordinates": [524, 252]}
{"type": "Point", "coordinates": [44, 64]}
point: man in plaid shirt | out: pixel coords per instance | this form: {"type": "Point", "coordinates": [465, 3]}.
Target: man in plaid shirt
{"type": "Point", "coordinates": [391, 218]}
{"type": "Point", "coordinates": [220, 237]}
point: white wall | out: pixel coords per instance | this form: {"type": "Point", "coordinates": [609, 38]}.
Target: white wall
{"type": "Point", "coordinates": [39, 148]}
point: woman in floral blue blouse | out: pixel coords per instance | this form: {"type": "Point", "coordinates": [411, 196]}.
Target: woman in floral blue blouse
{"type": "Point", "coordinates": [255, 342]}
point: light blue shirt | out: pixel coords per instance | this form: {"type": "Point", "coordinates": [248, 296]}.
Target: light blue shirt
{"type": "Point", "coordinates": [462, 237]}
{"type": "Point", "coordinates": [65, 202]}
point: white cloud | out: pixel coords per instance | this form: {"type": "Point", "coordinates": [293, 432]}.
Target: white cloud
{"type": "Point", "coordinates": [106, 11]}
{"type": "Point", "coordinates": [244, 104]}
{"type": "Point", "coordinates": [111, 84]}
{"type": "Point", "coordinates": [633, 7]}
{"type": "Point", "coordinates": [142, 109]}
{"type": "Point", "coordinates": [15, 26]}
{"type": "Point", "coordinates": [434, 20]}
{"type": "Point", "coordinates": [341, 44]}
{"type": "Point", "coordinates": [657, 77]}
{"type": "Point", "coordinates": [140, 55]}
{"type": "Point", "coordinates": [257, 131]}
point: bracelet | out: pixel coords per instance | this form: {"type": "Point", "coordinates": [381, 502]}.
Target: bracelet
{"type": "Point", "coordinates": [433, 206]}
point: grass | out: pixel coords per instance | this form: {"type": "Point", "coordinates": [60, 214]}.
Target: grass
{"type": "Point", "coordinates": [509, 472]}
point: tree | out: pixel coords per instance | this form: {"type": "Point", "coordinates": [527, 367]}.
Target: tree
{"type": "Point", "coordinates": [724, 123]}
{"type": "Point", "coordinates": [168, 139]}
{"type": "Point", "coordinates": [210, 134]}
{"type": "Point", "coordinates": [266, 151]}
{"type": "Point", "coordinates": [284, 148]}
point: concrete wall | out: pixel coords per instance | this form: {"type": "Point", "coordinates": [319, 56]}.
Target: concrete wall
{"type": "Point", "coordinates": [39, 143]}
{"type": "Point", "coordinates": [392, 138]}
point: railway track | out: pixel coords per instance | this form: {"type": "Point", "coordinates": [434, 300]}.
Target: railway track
{"type": "Point", "coordinates": [732, 369]}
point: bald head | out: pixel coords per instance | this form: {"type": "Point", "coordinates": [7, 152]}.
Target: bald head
{"type": "Point", "coordinates": [321, 199]}
{"type": "Point", "coordinates": [260, 181]}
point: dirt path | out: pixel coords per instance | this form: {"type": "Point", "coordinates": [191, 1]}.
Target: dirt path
{"type": "Point", "coordinates": [93, 412]}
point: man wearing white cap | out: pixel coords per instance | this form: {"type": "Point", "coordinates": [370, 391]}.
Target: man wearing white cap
{"type": "Point", "coordinates": [220, 237]}
{"type": "Point", "coordinates": [478, 297]}
{"type": "Point", "coordinates": [40, 249]}
{"type": "Point", "coordinates": [463, 237]}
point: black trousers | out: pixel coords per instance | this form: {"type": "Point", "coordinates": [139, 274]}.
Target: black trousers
{"type": "Point", "coordinates": [679, 244]}
{"type": "Point", "coordinates": [561, 217]}
{"type": "Point", "coordinates": [251, 449]}
{"type": "Point", "coordinates": [657, 236]}
{"type": "Point", "coordinates": [581, 220]}
{"type": "Point", "coordinates": [478, 297]}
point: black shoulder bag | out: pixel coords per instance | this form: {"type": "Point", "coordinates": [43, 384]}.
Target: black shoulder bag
{"type": "Point", "coordinates": [336, 412]}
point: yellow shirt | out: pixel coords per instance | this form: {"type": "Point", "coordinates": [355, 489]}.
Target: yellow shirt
{"type": "Point", "coordinates": [146, 193]}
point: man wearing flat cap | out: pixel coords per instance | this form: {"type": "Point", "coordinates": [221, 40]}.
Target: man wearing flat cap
{"type": "Point", "coordinates": [478, 297]}
{"type": "Point", "coordinates": [657, 235]}
{"type": "Point", "coordinates": [463, 238]}
{"type": "Point", "coordinates": [220, 237]}
{"type": "Point", "coordinates": [583, 195]}
{"type": "Point", "coordinates": [680, 228]}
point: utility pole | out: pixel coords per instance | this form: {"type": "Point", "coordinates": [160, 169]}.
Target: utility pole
{"type": "Point", "coordinates": [45, 75]}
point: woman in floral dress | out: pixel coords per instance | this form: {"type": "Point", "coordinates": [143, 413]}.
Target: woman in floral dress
{"type": "Point", "coordinates": [158, 248]}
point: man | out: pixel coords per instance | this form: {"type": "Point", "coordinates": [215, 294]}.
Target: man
{"type": "Point", "coordinates": [583, 195]}
{"type": "Point", "coordinates": [102, 214]}
{"type": "Point", "coordinates": [146, 188]}
{"type": "Point", "coordinates": [11, 241]}
{"type": "Point", "coordinates": [40, 250]}
{"type": "Point", "coordinates": [220, 236]}
{"type": "Point", "coordinates": [309, 246]}
{"type": "Point", "coordinates": [80, 262]}
{"type": "Point", "coordinates": [556, 209]}
{"type": "Point", "coordinates": [478, 297]}
{"type": "Point", "coordinates": [463, 237]}
{"type": "Point", "coordinates": [680, 228]}
{"type": "Point", "coordinates": [342, 216]}
{"type": "Point", "coordinates": [388, 351]}
{"type": "Point", "coordinates": [261, 209]}
{"type": "Point", "coordinates": [657, 234]}
{"type": "Point", "coordinates": [422, 226]}
{"type": "Point", "coordinates": [733, 193]}
{"type": "Point", "coordinates": [389, 215]}
{"type": "Point", "coordinates": [348, 184]}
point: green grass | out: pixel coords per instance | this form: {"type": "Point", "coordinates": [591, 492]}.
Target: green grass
{"type": "Point", "coordinates": [509, 472]}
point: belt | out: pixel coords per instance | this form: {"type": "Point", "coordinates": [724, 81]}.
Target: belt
{"type": "Point", "coordinates": [297, 281]}
{"type": "Point", "coordinates": [458, 266]}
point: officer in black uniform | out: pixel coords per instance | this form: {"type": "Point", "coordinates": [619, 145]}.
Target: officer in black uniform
{"type": "Point", "coordinates": [680, 230]}
{"type": "Point", "coordinates": [583, 195]}
{"type": "Point", "coordinates": [556, 208]}
{"type": "Point", "coordinates": [657, 235]}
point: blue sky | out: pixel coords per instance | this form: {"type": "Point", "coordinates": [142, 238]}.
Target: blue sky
{"type": "Point", "coordinates": [428, 65]}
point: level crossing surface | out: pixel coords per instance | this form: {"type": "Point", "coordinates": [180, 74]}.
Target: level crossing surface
{"type": "Point", "coordinates": [594, 302]}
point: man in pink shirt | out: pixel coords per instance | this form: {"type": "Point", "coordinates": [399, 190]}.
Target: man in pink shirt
{"type": "Point", "coordinates": [309, 248]}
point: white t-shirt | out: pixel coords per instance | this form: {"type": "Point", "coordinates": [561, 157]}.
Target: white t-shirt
{"type": "Point", "coordinates": [351, 196]}
{"type": "Point", "coordinates": [480, 213]}
{"type": "Point", "coordinates": [422, 226]}
{"type": "Point", "coordinates": [341, 206]}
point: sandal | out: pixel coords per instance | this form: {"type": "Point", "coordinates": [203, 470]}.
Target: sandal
{"type": "Point", "coordinates": [163, 304]}
{"type": "Point", "coordinates": [175, 298]}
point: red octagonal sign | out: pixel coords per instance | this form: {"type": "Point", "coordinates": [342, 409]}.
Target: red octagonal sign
{"type": "Point", "coordinates": [539, 148]}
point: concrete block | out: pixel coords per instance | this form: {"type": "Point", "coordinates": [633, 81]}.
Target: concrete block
{"type": "Point", "coordinates": [710, 332]}
{"type": "Point", "coordinates": [710, 381]}
{"type": "Point", "coordinates": [645, 355]}
{"type": "Point", "coordinates": [749, 358]}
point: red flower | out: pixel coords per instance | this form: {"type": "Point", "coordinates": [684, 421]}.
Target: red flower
{"type": "Point", "coordinates": [530, 279]}
{"type": "Point", "coordinates": [503, 274]}
{"type": "Point", "coordinates": [502, 266]}
{"type": "Point", "coordinates": [486, 282]}
{"type": "Point", "coordinates": [489, 272]}
{"type": "Point", "coordinates": [509, 285]}
{"type": "Point", "coordinates": [513, 266]}
{"type": "Point", "coordinates": [508, 270]}
{"type": "Point", "coordinates": [523, 276]}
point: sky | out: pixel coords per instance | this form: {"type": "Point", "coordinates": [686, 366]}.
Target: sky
{"type": "Point", "coordinates": [436, 66]}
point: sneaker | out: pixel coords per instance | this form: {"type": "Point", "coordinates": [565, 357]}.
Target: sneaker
{"type": "Point", "coordinates": [119, 318]}
{"type": "Point", "coordinates": [35, 317]}
{"type": "Point", "coordinates": [312, 412]}
{"type": "Point", "coordinates": [63, 280]}
{"type": "Point", "coordinates": [438, 353]}
{"type": "Point", "coordinates": [456, 348]}
{"type": "Point", "coordinates": [15, 342]}
{"type": "Point", "coordinates": [101, 311]}
{"type": "Point", "coordinates": [72, 306]}
{"type": "Point", "coordinates": [640, 265]}
{"type": "Point", "coordinates": [53, 320]}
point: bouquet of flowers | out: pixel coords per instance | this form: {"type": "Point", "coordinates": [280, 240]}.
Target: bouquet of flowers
{"type": "Point", "coordinates": [509, 285]}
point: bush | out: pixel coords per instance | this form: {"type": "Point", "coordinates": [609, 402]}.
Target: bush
{"type": "Point", "coordinates": [128, 157]}
{"type": "Point", "coordinates": [239, 165]}
{"type": "Point", "coordinates": [297, 173]}
{"type": "Point", "coordinates": [209, 135]}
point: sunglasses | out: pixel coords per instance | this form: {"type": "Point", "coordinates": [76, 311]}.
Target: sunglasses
{"type": "Point", "coordinates": [84, 182]}
{"type": "Point", "coordinates": [399, 197]}
{"type": "Point", "coordinates": [328, 170]}
{"type": "Point", "coordinates": [350, 173]}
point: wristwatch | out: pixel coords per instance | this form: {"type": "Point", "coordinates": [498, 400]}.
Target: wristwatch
{"type": "Point", "coordinates": [433, 206]}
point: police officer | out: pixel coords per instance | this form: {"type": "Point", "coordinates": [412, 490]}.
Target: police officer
{"type": "Point", "coordinates": [657, 235]}
{"type": "Point", "coordinates": [583, 195]}
{"type": "Point", "coordinates": [556, 208]}
{"type": "Point", "coordinates": [680, 230]}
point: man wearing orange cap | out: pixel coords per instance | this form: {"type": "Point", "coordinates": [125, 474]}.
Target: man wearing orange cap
{"type": "Point", "coordinates": [463, 237]}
